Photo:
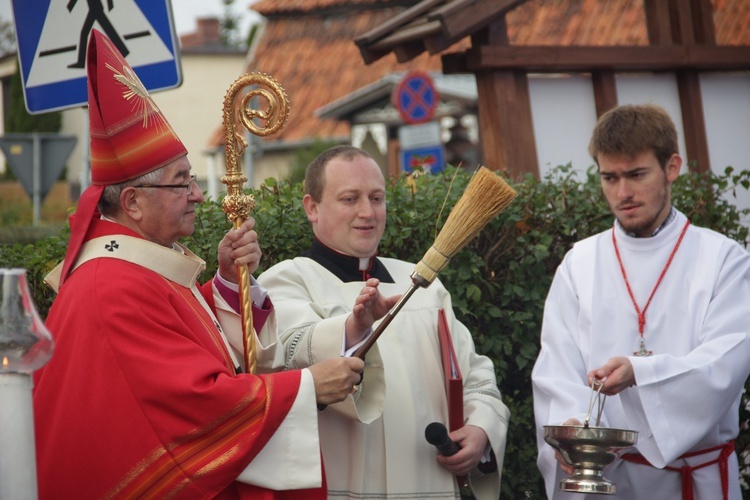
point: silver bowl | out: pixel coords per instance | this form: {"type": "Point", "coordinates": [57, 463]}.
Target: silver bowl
{"type": "Point", "coordinates": [588, 450]}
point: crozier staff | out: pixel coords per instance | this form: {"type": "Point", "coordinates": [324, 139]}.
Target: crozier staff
{"type": "Point", "coordinates": [236, 203]}
{"type": "Point", "coordinates": [145, 395]}
{"type": "Point", "coordinates": [657, 308]}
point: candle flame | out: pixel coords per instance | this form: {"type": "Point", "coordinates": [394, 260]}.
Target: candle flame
{"type": "Point", "coordinates": [5, 362]}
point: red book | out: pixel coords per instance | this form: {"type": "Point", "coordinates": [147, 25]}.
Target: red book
{"type": "Point", "coordinates": [454, 385]}
{"type": "Point", "coordinates": [454, 389]}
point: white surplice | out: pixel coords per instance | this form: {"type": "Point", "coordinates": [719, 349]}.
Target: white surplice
{"type": "Point", "coordinates": [687, 394]}
{"type": "Point", "coordinates": [388, 457]}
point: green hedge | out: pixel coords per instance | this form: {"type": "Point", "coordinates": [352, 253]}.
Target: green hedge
{"type": "Point", "coordinates": [499, 281]}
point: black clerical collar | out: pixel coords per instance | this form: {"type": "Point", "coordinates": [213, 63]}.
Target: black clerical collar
{"type": "Point", "coordinates": [345, 267]}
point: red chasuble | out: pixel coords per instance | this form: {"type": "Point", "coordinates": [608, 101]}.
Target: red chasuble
{"type": "Point", "coordinates": [140, 398]}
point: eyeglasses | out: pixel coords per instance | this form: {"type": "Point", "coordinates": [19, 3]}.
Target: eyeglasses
{"type": "Point", "coordinates": [187, 187]}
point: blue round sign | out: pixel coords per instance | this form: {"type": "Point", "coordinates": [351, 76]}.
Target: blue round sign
{"type": "Point", "coordinates": [416, 97]}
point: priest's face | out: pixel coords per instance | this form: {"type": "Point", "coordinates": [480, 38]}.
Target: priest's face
{"type": "Point", "coordinates": [350, 216]}
{"type": "Point", "coordinates": [168, 213]}
{"type": "Point", "coordinates": [638, 189]}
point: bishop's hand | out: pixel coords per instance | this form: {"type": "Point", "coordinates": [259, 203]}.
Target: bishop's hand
{"type": "Point", "coordinates": [239, 247]}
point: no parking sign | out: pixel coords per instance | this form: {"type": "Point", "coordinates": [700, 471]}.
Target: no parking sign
{"type": "Point", "coordinates": [416, 97]}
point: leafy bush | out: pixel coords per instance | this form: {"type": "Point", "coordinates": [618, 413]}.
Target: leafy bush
{"type": "Point", "coordinates": [499, 281]}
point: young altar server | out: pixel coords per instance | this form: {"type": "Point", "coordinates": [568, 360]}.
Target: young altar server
{"type": "Point", "coordinates": [657, 309]}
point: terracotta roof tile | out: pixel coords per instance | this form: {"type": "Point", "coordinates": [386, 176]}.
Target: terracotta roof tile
{"type": "Point", "coordinates": [578, 22]}
{"type": "Point", "coordinates": [317, 62]}
{"type": "Point", "coordinates": [732, 22]}
{"type": "Point", "coordinates": [614, 22]}
{"type": "Point", "coordinates": [284, 7]}
{"type": "Point", "coordinates": [311, 51]}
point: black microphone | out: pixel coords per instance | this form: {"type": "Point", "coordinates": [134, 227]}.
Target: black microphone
{"type": "Point", "coordinates": [437, 435]}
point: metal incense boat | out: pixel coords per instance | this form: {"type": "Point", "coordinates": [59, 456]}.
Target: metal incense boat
{"type": "Point", "coordinates": [589, 449]}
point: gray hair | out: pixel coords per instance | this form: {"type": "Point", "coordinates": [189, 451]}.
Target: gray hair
{"type": "Point", "coordinates": [109, 203]}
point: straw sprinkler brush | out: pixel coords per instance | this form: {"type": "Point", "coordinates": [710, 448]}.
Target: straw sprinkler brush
{"type": "Point", "coordinates": [486, 196]}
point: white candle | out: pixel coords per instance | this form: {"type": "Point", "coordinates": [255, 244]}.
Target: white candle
{"type": "Point", "coordinates": [17, 448]}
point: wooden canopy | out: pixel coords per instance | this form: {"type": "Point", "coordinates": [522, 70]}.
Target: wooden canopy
{"type": "Point", "coordinates": [681, 40]}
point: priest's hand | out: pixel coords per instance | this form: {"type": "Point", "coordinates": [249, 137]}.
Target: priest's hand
{"type": "Point", "coordinates": [239, 247]}
{"type": "Point", "coordinates": [335, 378]}
{"type": "Point", "coordinates": [369, 307]}
{"type": "Point", "coordinates": [617, 374]}
{"type": "Point", "coordinates": [473, 441]}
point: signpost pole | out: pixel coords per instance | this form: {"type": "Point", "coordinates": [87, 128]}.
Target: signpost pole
{"type": "Point", "coordinates": [36, 176]}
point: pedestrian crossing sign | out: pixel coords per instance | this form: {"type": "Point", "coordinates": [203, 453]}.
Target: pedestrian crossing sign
{"type": "Point", "coordinates": [52, 38]}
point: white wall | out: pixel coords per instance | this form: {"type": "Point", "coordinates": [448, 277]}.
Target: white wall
{"type": "Point", "coordinates": [658, 89]}
{"type": "Point", "coordinates": [726, 105]}
{"type": "Point", "coordinates": [564, 115]}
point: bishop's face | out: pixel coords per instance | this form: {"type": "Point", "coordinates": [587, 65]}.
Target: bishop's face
{"type": "Point", "coordinates": [638, 189]}
{"type": "Point", "coordinates": [168, 214]}
{"type": "Point", "coordinates": [350, 216]}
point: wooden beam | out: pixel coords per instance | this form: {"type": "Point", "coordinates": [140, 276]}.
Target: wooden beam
{"type": "Point", "coordinates": [523, 158]}
{"type": "Point", "coordinates": [693, 121]}
{"type": "Point", "coordinates": [414, 32]}
{"type": "Point", "coordinates": [434, 23]}
{"type": "Point", "coordinates": [370, 44]}
{"type": "Point", "coordinates": [491, 138]}
{"type": "Point", "coordinates": [458, 23]}
{"type": "Point", "coordinates": [504, 114]}
{"type": "Point", "coordinates": [495, 33]}
{"type": "Point", "coordinates": [397, 21]}
{"type": "Point", "coordinates": [455, 63]}
{"type": "Point", "coordinates": [658, 25]}
{"type": "Point", "coordinates": [369, 56]}
{"type": "Point", "coordinates": [703, 22]}
{"type": "Point", "coordinates": [554, 59]}
{"type": "Point", "coordinates": [406, 44]}
{"type": "Point", "coordinates": [407, 51]}
{"type": "Point", "coordinates": [437, 43]}
{"type": "Point", "coordinates": [683, 31]}
{"type": "Point", "coordinates": [605, 91]}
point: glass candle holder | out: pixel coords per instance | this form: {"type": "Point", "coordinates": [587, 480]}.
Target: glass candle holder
{"type": "Point", "coordinates": [25, 346]}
